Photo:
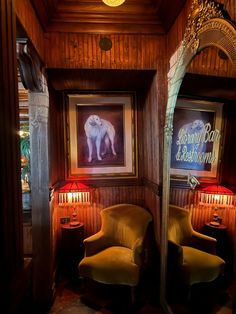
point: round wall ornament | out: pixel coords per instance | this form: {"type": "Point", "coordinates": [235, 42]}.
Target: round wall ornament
{"type": "Point", "coordinates": [105, 43]}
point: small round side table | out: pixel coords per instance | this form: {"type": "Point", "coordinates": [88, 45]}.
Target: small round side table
{"type": "Point", "coordinates": [71, 247]}
{"type": "Point", "coordinates": [220, 234]}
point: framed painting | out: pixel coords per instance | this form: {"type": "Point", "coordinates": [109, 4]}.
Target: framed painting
{"type": "Point", "coordinates": [101, 136]}
{"type": "Point", "coordinates": [197, 134]}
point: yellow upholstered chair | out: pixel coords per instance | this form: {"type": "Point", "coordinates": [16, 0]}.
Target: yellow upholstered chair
{"type": "Point", "coordinates": [192, 252]}
{"type": "Point", "coordinates": [113, 255]}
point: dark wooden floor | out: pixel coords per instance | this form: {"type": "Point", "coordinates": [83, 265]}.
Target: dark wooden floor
{"type": "Point", "coordinates": [75, 297]}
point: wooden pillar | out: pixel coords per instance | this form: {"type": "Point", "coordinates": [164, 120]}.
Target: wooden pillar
{"type": "Point", "coordinates": [41, 216]}
{"type": "Point", "coordinates": [11, 226]}
{"type": "Point", "coordinates": [30, 67]}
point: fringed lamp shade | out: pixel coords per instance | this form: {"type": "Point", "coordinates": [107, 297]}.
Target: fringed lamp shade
{"type": "Point", "coordinates": [216, 195]}
{"type": "Point", "coordinates": [74, 193]}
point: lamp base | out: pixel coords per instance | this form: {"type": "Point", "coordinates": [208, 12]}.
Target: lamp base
{"type": "Point", "coordinates": [74, 223]}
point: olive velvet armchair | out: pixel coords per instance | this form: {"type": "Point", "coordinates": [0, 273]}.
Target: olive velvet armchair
{"type": "Point", "coordinates": [113, 255]}
{"type": "Point", "coordinates": [192, 252]}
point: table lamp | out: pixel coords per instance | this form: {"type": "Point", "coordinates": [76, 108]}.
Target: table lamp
{"type": "Point", "coordinates": [216, 196]}
{"type": "Point", "coordinates": [74, 194]}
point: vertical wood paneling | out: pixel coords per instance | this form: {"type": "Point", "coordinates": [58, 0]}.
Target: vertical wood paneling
{"type": "Point", "coordinates": [151, 134]}
{"type": "Point", "coordinates": [176, 33]}
{"type": "Point", "coordinates": [56, 135]}
{"type": "Point", "coordinates": [208, 62]}
{"type": "Point", "coordinates": [83, 51]}
{"type": "Point", "coordinates": [230, 7]}
{"type": "Point", "coordinates": [152, 202]}
{"type": "Point", "coordinates": [153, 122]}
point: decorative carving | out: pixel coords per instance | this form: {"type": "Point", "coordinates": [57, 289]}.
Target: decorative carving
{"type": "Point", "coordinates": [168, 130]}
{"type": "Point", "coordinates": [223, 34]}
{"type": "Point", "coordinates": [29, 66]}
{"type": "Point", "coordinates": [201, 11]}
{"type": "Point", "coordinates": [38, 104]}
{"type": "Point", "coordinates": [221, 25]}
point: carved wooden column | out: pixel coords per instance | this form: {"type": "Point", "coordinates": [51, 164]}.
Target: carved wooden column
{"type": "Point", "coordinates": [41, 217]}
{"type": "Point", "coordinates": [32, 78]}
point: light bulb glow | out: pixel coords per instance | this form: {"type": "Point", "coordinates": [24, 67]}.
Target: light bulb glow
{"type": "Point", "coordinates": [113, 3]}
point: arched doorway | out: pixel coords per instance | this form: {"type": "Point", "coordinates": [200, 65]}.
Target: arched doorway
{"type": "Point", "coordinates": [206, 27]}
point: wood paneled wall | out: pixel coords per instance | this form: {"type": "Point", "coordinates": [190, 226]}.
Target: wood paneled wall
{"type": "Point", "coordinates": [153, 123]}
{"type": "Point", "coordinates": [176, 33]}
{"type": "Point", "coordinates": [70, 50]}
{"type": "Point", "coordinates": [153, 203]}
{"type": "Point", "coordinates": [56, 137]}
{"type": "Point", "coordinates": [151, 134]}
{"type": "Point", "coordinates": [230, 7]}
{"type": "Point", "coordinates": [209, 62]}
{"type": "Point", "coordinates": [29, 21]}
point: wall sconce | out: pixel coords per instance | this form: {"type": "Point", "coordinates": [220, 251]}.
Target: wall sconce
{"type": "Point", "coordinates": [74, 194]}
{"type": "Point", "coordinates": [192, 181]}
{"type": "Point", "coordinates": [216, 196]}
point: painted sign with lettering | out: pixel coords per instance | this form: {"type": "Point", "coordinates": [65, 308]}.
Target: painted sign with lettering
{"type": "Point", "coordinates": [196, 138]}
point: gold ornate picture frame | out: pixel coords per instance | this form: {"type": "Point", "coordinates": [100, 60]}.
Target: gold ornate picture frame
{"type": "Point", "coordinates": [101, 136]}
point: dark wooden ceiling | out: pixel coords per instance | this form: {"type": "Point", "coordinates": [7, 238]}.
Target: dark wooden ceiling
{"type": "Point", "coordinates": [93, 16]}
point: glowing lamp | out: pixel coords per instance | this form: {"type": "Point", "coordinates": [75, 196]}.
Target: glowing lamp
{"type": "Point", "coordinates": [216, 196]}
{"type": "Point", "coordinates": [74, 194]}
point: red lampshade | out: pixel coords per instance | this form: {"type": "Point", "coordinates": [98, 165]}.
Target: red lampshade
{"type": "Point", "coordinates": [74, 193]}
{"type": "Point", "coordinates": [74, 187]}
{"type": "Point", "coordinates": [217, 189]}
{"type": "Point", "coordinates": [216, 195]}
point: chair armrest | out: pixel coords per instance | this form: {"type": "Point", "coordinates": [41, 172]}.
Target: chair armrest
{"type": "Point", "coordinates": [95, 243]}
{"type": "Point", "coordinates": [137, 250]}
{"type": "Point", "coordinates": [203, 242]}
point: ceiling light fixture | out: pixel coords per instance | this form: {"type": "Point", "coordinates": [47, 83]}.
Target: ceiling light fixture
{"type": "Point", "coordinates": [113, 3]}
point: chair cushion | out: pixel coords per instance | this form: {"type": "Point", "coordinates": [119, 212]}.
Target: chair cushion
{"type": "Point", "coordinates": [199, 266]}
{"type": "Point", "coordinates": [113, 265]}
